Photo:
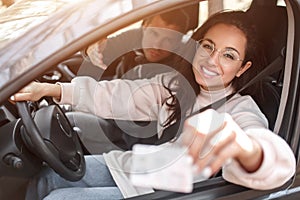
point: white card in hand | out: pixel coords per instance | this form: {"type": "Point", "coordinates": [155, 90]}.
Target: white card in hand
{"type": "Point", "coordinates": [165, 167]}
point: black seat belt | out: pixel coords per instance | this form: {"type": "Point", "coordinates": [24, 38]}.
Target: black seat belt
{"type": "Point", "coordinates": [172, 132]}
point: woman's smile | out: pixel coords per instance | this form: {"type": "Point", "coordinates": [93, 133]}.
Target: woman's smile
{"type": "Point", "coordinates": [208, 72]}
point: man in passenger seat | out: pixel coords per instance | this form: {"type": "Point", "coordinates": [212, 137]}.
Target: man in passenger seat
{"type": "Point", "coordinates": [157, 42]}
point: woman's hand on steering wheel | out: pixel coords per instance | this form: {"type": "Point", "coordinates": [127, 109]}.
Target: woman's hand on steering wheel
{"type": "Point", "coordinates": [35, 91]}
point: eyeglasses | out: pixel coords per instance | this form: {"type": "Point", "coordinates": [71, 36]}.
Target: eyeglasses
{"type": "Point", "coordinates": [227, 56]}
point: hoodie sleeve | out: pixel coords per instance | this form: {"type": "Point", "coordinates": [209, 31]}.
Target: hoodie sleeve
{"type": "Point", "coordinates": [278, 164]}
{"type": "Point", "coordinates": [118, 99]}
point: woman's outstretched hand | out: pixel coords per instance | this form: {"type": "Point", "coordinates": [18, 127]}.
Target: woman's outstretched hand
{"type": "Point", "coordinates": [35, 91]}
{"type": "Point", "coordinates": [215, 139]}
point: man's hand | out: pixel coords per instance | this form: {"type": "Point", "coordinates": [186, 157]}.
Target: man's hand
{"type": "Point", "coordinates": [94, 52]}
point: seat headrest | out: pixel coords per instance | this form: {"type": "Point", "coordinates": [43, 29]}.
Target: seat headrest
{"type": "Point", "coordinates": [271, 24]}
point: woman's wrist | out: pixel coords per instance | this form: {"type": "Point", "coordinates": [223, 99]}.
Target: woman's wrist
{"type": "Point", "coordinates": [52, 90]}
{"type": "Point", "coordinates": [252, 161]}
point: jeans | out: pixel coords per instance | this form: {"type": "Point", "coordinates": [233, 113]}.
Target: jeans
{"type": "Point", "coordinates": [97, 183]}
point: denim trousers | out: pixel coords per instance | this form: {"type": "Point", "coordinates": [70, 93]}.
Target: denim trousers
{"type": "Point", "coordinates": [97, 183]}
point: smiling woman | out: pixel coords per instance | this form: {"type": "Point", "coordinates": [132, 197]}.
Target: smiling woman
{"type": "Point", "coordinates": [227, 58]}
{"type": "Point", "coordinates": [233, 137]}
{"type": "Point", "coordinates": [240, 152]}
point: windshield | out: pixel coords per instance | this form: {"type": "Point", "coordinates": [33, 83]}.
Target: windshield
{"type": "Point", "coordinates": [35, 41]}
{"type": "Point", "coordinates": [26, 14]}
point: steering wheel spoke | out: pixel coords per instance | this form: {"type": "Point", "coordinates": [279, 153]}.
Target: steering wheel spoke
{"type": "Point", "coordinates": [51, 137]}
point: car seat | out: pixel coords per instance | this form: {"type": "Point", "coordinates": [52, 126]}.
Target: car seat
{"type": "Point", "coordinates": [271, 21]}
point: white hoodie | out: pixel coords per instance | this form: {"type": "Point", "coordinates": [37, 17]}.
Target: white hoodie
{"type": "Point", "coordinates": [144, 100]}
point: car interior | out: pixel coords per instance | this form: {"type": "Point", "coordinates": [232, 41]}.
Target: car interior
{"type": "Point", "coordinates": [268, 98]}
{"type": "Point", "coordinates": [272, 28]}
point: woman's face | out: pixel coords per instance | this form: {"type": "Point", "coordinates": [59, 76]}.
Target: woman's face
{"type": "Point", "coordinates": [227, 44]}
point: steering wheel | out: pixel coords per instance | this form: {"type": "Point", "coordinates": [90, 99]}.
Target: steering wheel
{"type": "Point", "coordinates": [50, 136]}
